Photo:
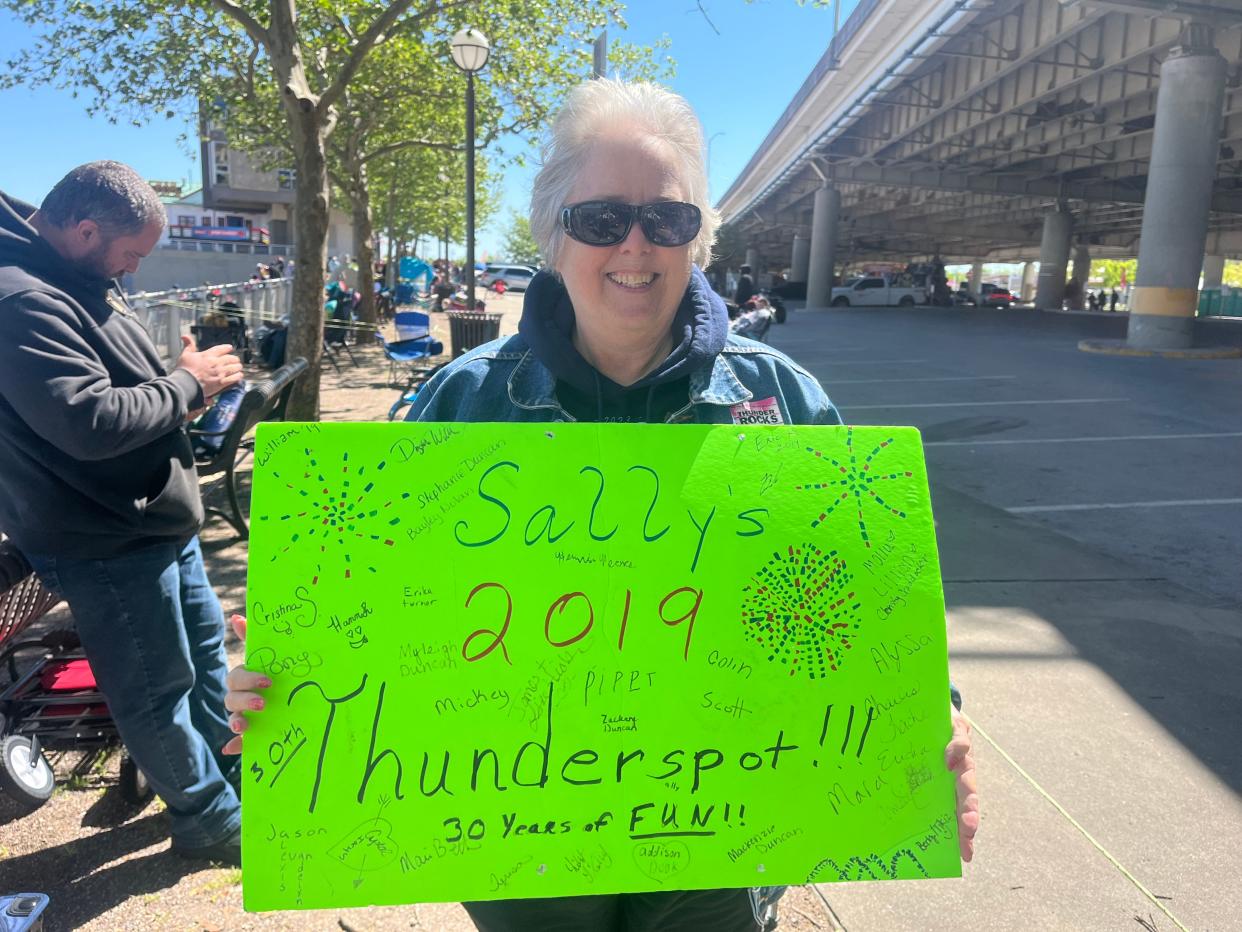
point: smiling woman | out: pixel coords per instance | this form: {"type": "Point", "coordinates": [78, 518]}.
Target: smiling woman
{"type": "Point", "coordinates": [623, 326]}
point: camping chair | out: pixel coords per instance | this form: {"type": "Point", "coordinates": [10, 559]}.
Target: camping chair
{"type": "Point", "coordinates": [411, 354]}
{"type": "Point", "coordinates": [412, 325]}
{"type": "Point", "coordinates": [340, 309]}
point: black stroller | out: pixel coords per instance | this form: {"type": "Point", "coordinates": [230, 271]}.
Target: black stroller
{"type": "Point", "coordinates": [48, 698]}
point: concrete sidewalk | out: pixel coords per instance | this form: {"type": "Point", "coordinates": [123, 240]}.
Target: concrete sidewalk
{"type": "Point", "coordinates": [1106, 705]}
{"type": "Point", "coordinates": [1109, 746]}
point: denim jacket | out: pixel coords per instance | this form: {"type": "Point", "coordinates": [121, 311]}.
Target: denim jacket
{"type": "Point", "coordinates": [747, 383]}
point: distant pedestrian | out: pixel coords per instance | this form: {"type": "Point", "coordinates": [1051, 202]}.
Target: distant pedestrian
{"type": "Point", "coordinates": [1113, 299]}
{"type": "Point", "coordinates": [745, 287]}
{"type": "Point", "coordinates": [1073, 294]}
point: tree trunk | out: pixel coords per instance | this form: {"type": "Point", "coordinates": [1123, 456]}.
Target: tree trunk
{"type": "Point", "coordinates": [364, 249]}
{"type": "Point", "coordinates": [309, 129]}
{"type": "Point", "coordinates": [311, 223]}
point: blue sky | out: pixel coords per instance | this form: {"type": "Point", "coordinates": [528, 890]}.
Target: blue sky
{"type": "Point", "coordinates": [739, 81]}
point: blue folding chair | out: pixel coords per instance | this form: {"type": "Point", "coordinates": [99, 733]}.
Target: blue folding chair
{"type": "Point", "coordinates": [412, 325]}
{"type": "Point", "coordinates": [409, 354]}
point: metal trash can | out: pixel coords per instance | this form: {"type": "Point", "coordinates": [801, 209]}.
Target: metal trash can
{"type": "Point", "coordinates": [468, 329]}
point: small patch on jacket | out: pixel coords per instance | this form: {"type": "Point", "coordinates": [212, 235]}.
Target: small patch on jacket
{"type": "Point", "coordinates": [763, 411]}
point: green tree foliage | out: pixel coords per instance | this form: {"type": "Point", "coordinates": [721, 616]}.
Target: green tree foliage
{"type": "Point", "coordinates": [519, 245]}
{"type": "Point", "coordinates": [284, 78]}
{"type": "Point", "coordinates": [1110, 271]}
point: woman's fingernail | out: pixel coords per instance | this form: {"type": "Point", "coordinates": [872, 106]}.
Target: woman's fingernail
{"type": "Point", "coordinates": [256, 703]}
{"type": "Point", "coordinates": [235, 725]}
{"type": "Point", "coordinates": [264, 683]}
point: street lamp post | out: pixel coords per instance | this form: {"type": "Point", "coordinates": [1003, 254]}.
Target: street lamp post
{"type": "Point", "coordinates": [470, 50]}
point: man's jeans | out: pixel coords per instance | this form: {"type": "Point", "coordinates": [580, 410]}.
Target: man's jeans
{"type": "Point", "coordinates": [153, 631]}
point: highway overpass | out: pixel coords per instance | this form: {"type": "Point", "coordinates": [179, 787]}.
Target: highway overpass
{"type": "Point", "coordinates": [1012, 130]}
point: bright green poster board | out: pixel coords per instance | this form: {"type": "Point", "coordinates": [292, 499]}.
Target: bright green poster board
{"type": "Point", "coordinates": [538, 660]}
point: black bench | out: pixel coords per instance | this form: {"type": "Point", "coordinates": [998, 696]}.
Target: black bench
{"type": "Point", "coordinates": [263, 401]}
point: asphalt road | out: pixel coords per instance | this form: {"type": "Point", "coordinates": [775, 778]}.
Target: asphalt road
{"type": "Point", "coordinates": [1089, 521]}
{"type": "Point", "coordinates": [1139, 458]}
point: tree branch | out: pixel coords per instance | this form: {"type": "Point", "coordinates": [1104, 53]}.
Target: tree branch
{"type": "Point", "coordinates": [706, 17]}
{"type": "Point", "coordinates": [253, 27]}
{"type": "Point", "coordinates": [345, 27]}
{"type": "Point", "coordinates": [392, 147]}
{"type": "Point", "coordinates": [360, 51]}
{"type": "Point", "coordinates": [254, 55]}
{"type": "Point", "coordinates": [417, 18]}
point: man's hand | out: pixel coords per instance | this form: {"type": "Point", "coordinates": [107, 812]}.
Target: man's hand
{"type": "Point", "coordinates": [216, 368]}
{"type": "Point", "coordinates": [959, 758]}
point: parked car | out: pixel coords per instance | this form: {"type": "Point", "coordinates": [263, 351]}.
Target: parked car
{"type": "Point", "coordinates": [515, 277]}
{"type": "Point", "coordinates": [875, 291]}
{"type": "Point", "coordinates": [995, 296]}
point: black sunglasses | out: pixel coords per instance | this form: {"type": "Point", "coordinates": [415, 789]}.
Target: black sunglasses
{"type": "Point", "coordinates": [606, 223]}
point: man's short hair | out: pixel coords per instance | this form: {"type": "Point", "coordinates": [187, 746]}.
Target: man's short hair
{"type": "Point", "coordinates": [110, 193]}
{"type": "Point", "coordinates": [746, 270]}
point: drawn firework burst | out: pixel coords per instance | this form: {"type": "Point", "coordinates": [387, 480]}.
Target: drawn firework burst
{"type": "Point", "coordinates": [799, 605]}
{"type": "Point", "coordinates": [856, 481]}
{"type": "Point", "coordinates": [338, 517]}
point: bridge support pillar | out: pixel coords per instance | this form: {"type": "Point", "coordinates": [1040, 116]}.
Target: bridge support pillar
{"type": "Point", "coordinates": [752, 259]}
{"type": "Point", "coordinates": [800, 261]}
{"type": "Point", "coordinates": [1054, 252]}
{"type": "Point", "coordinates": [824, 220]}
{"type": "Point", "coordinates": [1185, 148]}
{"type": "Point", "coordinates": [976, 279]}
{"type": "Point", "coordinates": [1028, 283]}
{"type": "Point", "coordinates": [1081, 274]}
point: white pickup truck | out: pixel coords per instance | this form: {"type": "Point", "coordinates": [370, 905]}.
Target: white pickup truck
{"type": "Point", "coordinates": [877, 292]}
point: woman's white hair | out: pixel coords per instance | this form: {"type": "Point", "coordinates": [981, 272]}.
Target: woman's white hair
{"type": "Point", "coordinates": [593, 107]}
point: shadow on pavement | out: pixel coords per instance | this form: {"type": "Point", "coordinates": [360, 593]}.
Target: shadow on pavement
{"type": "Point", "coordinates": [111, 810]}
{"type": "Point", "coordinates": [1176, 653]}
{"type": "Point", "coordinates": [82, 880]}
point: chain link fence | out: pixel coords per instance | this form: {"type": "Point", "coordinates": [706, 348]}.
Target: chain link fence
{"type": "Point", "coordinates": [168, 315]}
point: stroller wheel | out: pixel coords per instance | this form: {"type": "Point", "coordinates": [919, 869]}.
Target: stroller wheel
{"type": "Point", "coordinates": [25, 776]}
{"type": "Point", "coordinates": [135, 788]}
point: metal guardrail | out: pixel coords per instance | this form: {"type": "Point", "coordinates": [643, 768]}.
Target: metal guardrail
{"type": "Point", "coordinates": [168, 315]}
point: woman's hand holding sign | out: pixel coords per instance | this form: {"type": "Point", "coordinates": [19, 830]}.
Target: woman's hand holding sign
{"type": "Point", "coordinates": [242, 695]}
{"type": "Point", "coordinates": [960, 759]}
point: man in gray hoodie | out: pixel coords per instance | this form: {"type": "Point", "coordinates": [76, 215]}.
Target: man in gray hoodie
{"type": "Point", "coordinates": [98, 487]}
